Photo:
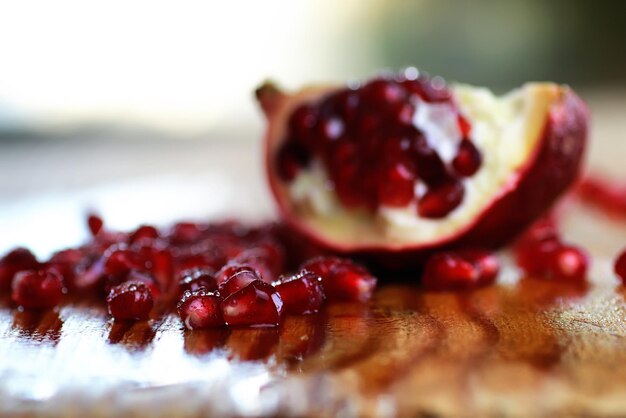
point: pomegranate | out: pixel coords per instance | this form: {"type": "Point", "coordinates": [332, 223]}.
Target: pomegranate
{"type": "Point", "coordinates": [402, 166]}
{"type": "Point", "coordinates": [14, 261]}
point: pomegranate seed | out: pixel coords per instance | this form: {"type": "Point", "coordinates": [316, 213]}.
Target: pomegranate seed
{"type": "Point", "coordinates": [144, 232]}
{"type": "Point", "coordinates": [380, 92]}
{"type": "Point", "coordinates": [200, 309]}
{"type": "Point", "coordinates": [620, 266]}
{"type": "Point", "coordinates": [186, 233]}
{"type": "Point", "coordinates": [533, 256]}
{"type": "Point", "coordinates": [450, 270]}
{"type": "Point", "coordinates": [131, 300]}
{"type": "Point", "coordinates": [396, 185]}
{"type": "Point", "coordinates": [468, 159]}
{"type": "Point", "coordinates": [301, 293]}
{"type": "Point", "coordinates": [38, 289]}
{"type": "Point", "coordinates": [429, 166]}
{"type": "Point", "coordinates": [196, 279]}
{"type": "Point", "coordinates": [439, 201]}
{"type": "Point", "coordinates": [228, 270]}
{"type": "Point", "coordinates": [119, 261]}
{"type": "Point", "coordinates": [258, 304]}
{"type": "Point", "coordinates": [464, 127]}
{"type": "Point", "coordinates": [66, 262]}
{"type": "Point", "coordinates": [487, 263]}
{"type": "Point", "coordinates": [568, 263]}
{"type": "Point", "coordinates": [331, 129]}
{"type": "Point", "coordinates": [238, 280]}
{"type": "Point", "coordinates": [95, 224]}
{"type": "Point", "coordinates": [17, 260]}
{"type": "Point", "coordinates": [342, 279]}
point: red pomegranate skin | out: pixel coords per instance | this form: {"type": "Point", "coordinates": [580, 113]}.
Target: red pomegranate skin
{"type": "Point", "coordinates": [551, 169]}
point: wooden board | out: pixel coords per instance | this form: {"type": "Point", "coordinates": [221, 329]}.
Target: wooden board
{"type": "Point", "coordinates": [525, 347]}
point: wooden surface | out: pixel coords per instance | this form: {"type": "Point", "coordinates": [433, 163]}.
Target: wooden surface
{"type": "Point", "coordinates": [524, 347]}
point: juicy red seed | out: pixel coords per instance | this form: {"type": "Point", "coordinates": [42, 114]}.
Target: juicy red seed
{"type": "Point", "coordinates": [301, 293]}
{"type": "Point", "coordinates": [257, 304]}
{"type": "Point", "coordinates": [468, 159]}
{"type": "Point", "coordinates": [429, 165]}
{"type": "Point", "coordinates": [487, 263]}
{"type": "Point", "coordinates": [396, 185]}
{"type": "Point", "coordinates": [440, 200]}
{"type": "Point", "coordinates": [144, 232]}
{"type": "Point", "coordinates": [121, 261]}
{"type": "Point", "coordinates": [186, 233]}
{"type": "Point", "coordinates": [349, 282]}
{"type": "Point", "coordinates": [38, 289]}
{"type": "Point", "coordinates": [568, 263]}
{"type": "Point", "coordinates": [131, 300]}
{"type": "Point", "coordinates": [458, 270]}
{"type": "Point", "coordinates": [196, 279]}
{"type": "Point", "coordinates": [322, 265]}
{"type": "Point", "coordinates": [464, 127]}
{"type": "Point", "coordinates": [238, 281]}
{"type": "Point", "coordinates": [230, 269]}
{"type": "Point", "coordinates": [620, 267]}
{"type": "Point", "coordinates": [381, 92]}
{"type": "Point", "coordinates": [533, 256]}
{"type": "Point", "coordinates": [95, 224]}
{"type": "Point", "coordinates": [200, 309]}
{"type": "Point", "coordinates": [342, 279]}
{"type": "Point", "coordinates": [16, 260]}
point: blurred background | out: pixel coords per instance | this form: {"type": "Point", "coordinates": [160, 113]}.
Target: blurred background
{"type": "Point", "coordinates": [143, 110]}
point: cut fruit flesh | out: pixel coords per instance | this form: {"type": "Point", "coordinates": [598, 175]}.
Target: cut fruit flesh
{"type": "Point", "coordinates": [537, 124]}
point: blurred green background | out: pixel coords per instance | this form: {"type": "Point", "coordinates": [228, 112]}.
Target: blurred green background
{"type": "Point", "coordinates": [189, 67]}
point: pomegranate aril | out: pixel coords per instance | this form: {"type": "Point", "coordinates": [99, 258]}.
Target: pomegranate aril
{"type": "Point", "coordinates": [429, 165]}
{"type": "Point", "coordinates": [130, 300]}
{"type": "Point", "coordinates": [449, 271]}
{"type": "Point", "coordinates": [301, 293]}
{"type": "Point", "coordinates": [331, 129]}
{"type": "Point", "coordinates": [468, 159]}
{"type": "Point", "coordinates": [381, 92]}
{"type": "Point", "coordinates": [144, 232]}
{"type": "Point", "coordinates": [568, 263]}
{"type": "Point", "coordinates": [342, 279]}
{"type": "Point", "coordinates": [186, 233]}
{"type": "Point", "coordinates": [38, 289]}
{"type": "Point", "coordinates": [237, 281]}
{"type": "Point", "coordinates": [396, 185]}
{"type": "Point", "coordinates": [200, 309]}
{"type": "Point", "coordinates": [534, 256]}
{"type": "Point", "coordinates": [95, 224]}
{"type": "Point", "coordinates": [620, 267]}
{"type": "Point", "coordinates": [440, 200]}
{"type": "Point", "coordinates": [119, 261]}
{"type": "Point", "coordinates": [16, 260]}
{"type": "Point", "coordinates": [196, 279]}
{"type": "Point", "coordinates": [487, 262]}
{"type": "Point", "coordinates": [229, 269]}
{"type": "Point", "coordinates": [258, 305]}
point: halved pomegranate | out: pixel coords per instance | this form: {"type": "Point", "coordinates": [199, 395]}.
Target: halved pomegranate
{"type": "Point", "coordinates": [403, 165]}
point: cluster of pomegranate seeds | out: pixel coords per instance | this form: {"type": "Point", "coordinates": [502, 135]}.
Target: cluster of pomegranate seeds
{"type": "Point", "coordinates": [464, 269]}
{"type": "Point", "coordinates": [367, 139]}
{"type": "Point", "coordinates": [220, 274]}
{"type": "Point", "coordinates": [540, 252]}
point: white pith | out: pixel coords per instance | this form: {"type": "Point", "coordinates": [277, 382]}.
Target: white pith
{"type": "Point", "coordinates": [505, 129]}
